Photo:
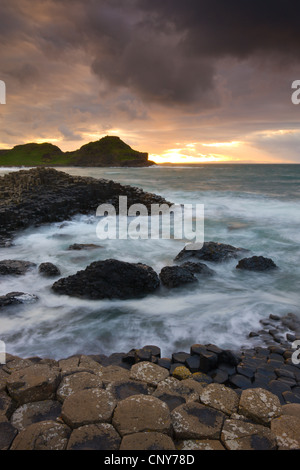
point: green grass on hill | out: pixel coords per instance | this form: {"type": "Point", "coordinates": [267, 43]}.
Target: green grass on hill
{"type": "Point", "coordinates": [105, 152]}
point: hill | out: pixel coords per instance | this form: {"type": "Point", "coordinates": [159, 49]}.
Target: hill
{"type": "Point", "coordinates": [108, 151]}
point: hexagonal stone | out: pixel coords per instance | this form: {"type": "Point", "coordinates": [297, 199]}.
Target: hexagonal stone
{"type": "Point", "coordinates": [141, 413]}
{"type": "Point", "coordinates": [171, 399]}
{"type": "Point", "coordinates": [114, 374]}
{"type": "Point", "coordinates": [287, 432]}
{"type": "Point", "coordinates": [241, 435]}
{"type": "Point", "coordinates": [16, 364]}
{"type": "Point", "coordinates": [31, 413]}
{"type": "Point", "coordinates": [77, 382]}
{"type": "Point", "coordinates": [46, 435]}
{"type": "Point", "coordinates": [147, 441]}
{"type": "Point", "coordinates": [7, 434]}
{"type": "Point", "coordinates": [221, 398]}
{"type": "Point", "coordinates": [34, 383]}
{"type": "Point", "coordinates": [172, 385]}
{"type": "Point", "coordinates": [181, 373]}
{"type": "Point", "coordinates": [260, 405]}
{"type": "Point", "coordinates": [94, 437]}
{"type": "Point", "coordinates": [88, 407]}
{"type": "Point", "coordinates": [292, 409]}
{"type": "Point", "coordinates": [126, 388]}
{"type": "Point", "coordinates": [149, 373]}
{"type": "Point", "coordinates": [79, 363]}
{"type": "Point", "coordinates": [195, 421]}
{"type": "Point", "coordinates": [192, 445]}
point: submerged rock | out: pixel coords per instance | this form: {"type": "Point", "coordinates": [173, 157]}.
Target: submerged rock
{"type": "Point", "coordinates": [199, 269]}
{"type": "Point", "coordinates": [211, 251]}
{"type": "Point", "coordinates": [49, 270]}
{"type": "Point", "coordinates": [14, 298]}
{"type": "Point", "coordinates": [15, 267]}
{"type": "Point", "coordinates": [110, 279]}
{"type": "Point", "coordinates": [80, 247]}
{"type": "Point", "coordinates": [176, 276]}
{"type": "Point", "coordinates": [256, 263]}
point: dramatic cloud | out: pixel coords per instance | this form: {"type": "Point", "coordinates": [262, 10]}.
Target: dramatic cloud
{"type": "Point", "coordinates": [156, 72]}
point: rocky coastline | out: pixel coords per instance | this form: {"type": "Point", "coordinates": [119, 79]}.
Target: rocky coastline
{"type": "Point", "coordinates": [45, 195]}
{"type": "Point", "coordinates": [206, 399]}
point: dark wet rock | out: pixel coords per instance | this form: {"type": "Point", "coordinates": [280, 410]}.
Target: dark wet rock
{"type": "Point", "coordinates": [7, 434]}
{"type": "Point", "coordinates": [256, 263]}
{"type": "Point", "coordinates": [110, 279]}
{"type": "Point", "coordinates": [176, 276]}
{"type": "Point", "coordinates": [199, 269]}
{"type": "Point", "coordinates": [49, 270]}
{"type": "Point", "coordinates": [211, 251]}
{"type": "Point", "coordinates": [165, 362]}
{"type": "Point", "coordinates": [15, 298]}
{"type": "Point", "coordinates": [230, 357]}
{"type": "Point", "coordinates": [15, 267]}
{"type": "Point", "coordinates": [45, 195]}
{"type": "Point", "coordinates": [180, 357]}
{"type": "Point", "coordinates": [193, 363]}
{"type": "Point", "coordinates": [80, 247]}
{"type": "Point", "coordinates": [240, 381]}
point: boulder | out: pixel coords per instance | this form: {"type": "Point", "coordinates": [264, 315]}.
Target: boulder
{"type": "Point", "coordinates": [15, 298]}
{"type": "Point", "coordinates": [110, 279]}
{"type": "Point", "coordinates": [49, 270]}
{"type": "Point", "coordinates": [200, 269]}
{"type": "Point", "coordinates": [81, 247]}
{"type": "Point", "coordinates": [211, 251]}
{"type": "Point", "coordinates": [256, 263]}
{"type": "Point", "coordinates": [176, 276]}
{"type": "Point", "coordinates": [15, 267]}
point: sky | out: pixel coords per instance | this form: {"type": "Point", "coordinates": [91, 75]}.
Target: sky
{"type": "Point", "coordinates": [186, 81]}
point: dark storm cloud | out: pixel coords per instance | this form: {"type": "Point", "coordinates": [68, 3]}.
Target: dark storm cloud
{"type": "Point", "coordinates": [163, 51]}
{"type": "Point", "coordinates": [232, 27]}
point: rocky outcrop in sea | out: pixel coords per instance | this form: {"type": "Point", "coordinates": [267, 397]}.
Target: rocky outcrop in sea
{"type": "Point", "coordinates": [45, 195]}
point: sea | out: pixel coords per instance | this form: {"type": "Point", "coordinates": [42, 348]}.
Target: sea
{"type": "Point", "coordinates": [256, 207]}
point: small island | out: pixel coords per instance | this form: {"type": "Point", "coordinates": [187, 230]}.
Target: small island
{"type": "Point", "coordinates": [110, 151]}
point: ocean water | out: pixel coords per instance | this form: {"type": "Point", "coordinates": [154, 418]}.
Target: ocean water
{"type": "Point", "coordinates": [251, 206]}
